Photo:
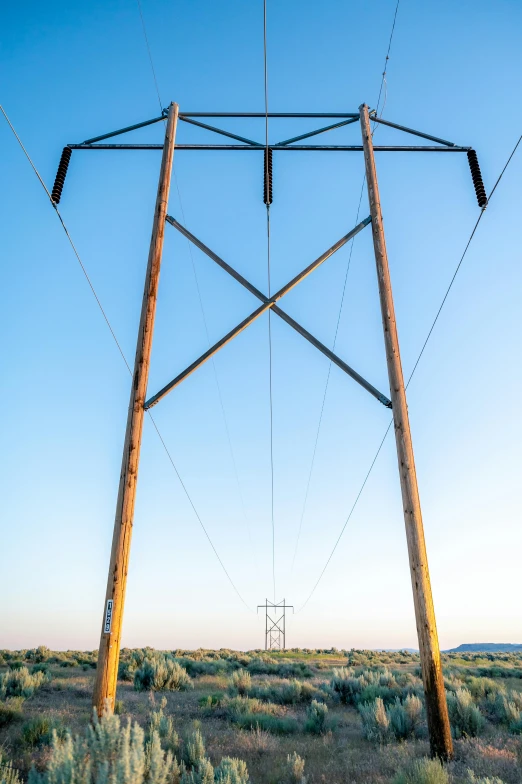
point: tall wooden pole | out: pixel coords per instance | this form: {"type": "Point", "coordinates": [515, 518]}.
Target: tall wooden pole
{"type": "Point", "coordinates": [436, 706]}
{"type": "Point", "coordinates": [110, 641]}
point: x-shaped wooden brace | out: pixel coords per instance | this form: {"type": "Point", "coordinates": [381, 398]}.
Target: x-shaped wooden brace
{"type": "Point", "coordinates": [267, 304]}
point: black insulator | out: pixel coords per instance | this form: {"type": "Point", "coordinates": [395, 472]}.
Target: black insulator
{"type": "Point", "coordinates": [61, 174]}
{"type": "Point", "coordinates": [267, 191]}
{"type": "Point", "coordinates": [477, 178]}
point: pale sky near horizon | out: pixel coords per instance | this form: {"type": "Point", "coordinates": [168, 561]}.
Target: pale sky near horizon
{"type": "Point", "coordinates": [71, 72]}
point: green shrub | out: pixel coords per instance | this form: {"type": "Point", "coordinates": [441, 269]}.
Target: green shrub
{"type": "Point", "coordinates": [346, 686]}
{"type": "Point", "coordinates": [472, 779]}
{"type": "Point", "coordinates": [465, 717]}
{"type": "Point", "coordinates": [11, 710]}
{"type": "Point", "coordinates": [161, 673]}
{"type": "Point", "coordinates": [231, 771]}
{"type": "Point", "coordinates": [20, 683]}
{"type": "Point", "coordinates": [405, 717]}
{"type": "Point", "coordinates": [241, 681]}
{"type": "Point", "coordinates": [162, 725]}
{"type": "Point", "coordinates": [423, 771]}
{"type": "Point", "coordinates": [295, 766]}
{"type": "Point", "coordinates": [194, 748]}
{"type": "Point", "coordinates": [375, 720]}
{"type": "Point", "coordinates": [39, 731]}
{"type": "Point", "coordinates": [316, 718]}
{"type": "Point", "coordinates": [8, 774]}
{"type": "Point", "coordinates": [108, 752]}
{"type": "Point", "coordinates": [267, 722]}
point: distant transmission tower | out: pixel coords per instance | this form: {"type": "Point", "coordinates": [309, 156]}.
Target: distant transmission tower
{"type": "Point", "coordinates": [275, 627]}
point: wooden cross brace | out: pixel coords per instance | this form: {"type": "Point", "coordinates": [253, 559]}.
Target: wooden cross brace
{"type": "Point", "coordinates": [268, 303]}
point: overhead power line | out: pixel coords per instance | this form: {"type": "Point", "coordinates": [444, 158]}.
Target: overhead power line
{"type": "Point", "coordinates": [321, 414]}
{"type": "Point", "coordinates": [203, 315]}
{"type": "Point", "coordinates": [113, 334]}
{"type": "Point", "coordinates": [428, 336]}
{"type": "Point", "coordinates": [267, 201]}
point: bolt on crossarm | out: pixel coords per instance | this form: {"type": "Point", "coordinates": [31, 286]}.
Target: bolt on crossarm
{"type": "Point", "coordinates": [110, 641]}
{"type": "Point", "coordinates": [436, 705]}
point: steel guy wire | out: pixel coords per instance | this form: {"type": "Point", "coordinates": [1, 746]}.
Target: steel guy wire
{"type": "Point", "coordinates": [106, 319]}
{"type": "Point", "coordinates": [428, 336]}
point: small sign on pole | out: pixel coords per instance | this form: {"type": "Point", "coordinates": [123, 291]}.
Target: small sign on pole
{"type": "Point", "coordinates": [108, 617]}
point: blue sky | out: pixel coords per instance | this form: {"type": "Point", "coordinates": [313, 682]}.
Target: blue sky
{"type": "Point", "coordinates": [71, 72]}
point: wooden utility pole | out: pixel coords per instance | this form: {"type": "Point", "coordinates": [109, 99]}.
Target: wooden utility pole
{"type": "Point", "coordinates": [109, 652]}
{"type": "Point", "coordinates": [436, 705]}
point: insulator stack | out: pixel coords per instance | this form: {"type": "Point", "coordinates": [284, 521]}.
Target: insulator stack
{"type": "Point", "coordinates": [61, 174]}
{"type": "Point", "coordinates": [477, 178]}
{"type": "Point", "coordinates": [267, 168]}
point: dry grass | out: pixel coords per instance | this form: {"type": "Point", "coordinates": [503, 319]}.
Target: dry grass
{"type": "Point", "coordinates": [340, 756]}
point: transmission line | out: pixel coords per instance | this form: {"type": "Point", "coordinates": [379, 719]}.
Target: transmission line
{"type": "Point", "coordinates": [216, 378]}
{"type": "Point", "coordinates": [428, 336]}
{"type": "Point", "coordinates": [314, 451]}
{"type": "Point", "coordinates": [268, 174]}
{"type": "Point", "coordinates": [113, 334]}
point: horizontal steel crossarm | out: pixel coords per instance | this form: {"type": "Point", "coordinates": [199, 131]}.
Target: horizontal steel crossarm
{"type": "Point", "coordinates": [220, 131]}
{"type": "Point", "coordinates": [281, 313]}
{"type": "Point", "coordinates": [319, 130]}
{"type": "Point", "coordinates": [267, 304]}
{"type": "Point", "coordinates": [257, 148]}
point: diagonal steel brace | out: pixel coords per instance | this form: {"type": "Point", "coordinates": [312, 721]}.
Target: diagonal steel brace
{"type": "Point", "coordinates": [268, 303]}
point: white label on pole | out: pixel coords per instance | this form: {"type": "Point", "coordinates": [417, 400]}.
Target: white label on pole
{"type": "Point", "coordinates": [108, 617]}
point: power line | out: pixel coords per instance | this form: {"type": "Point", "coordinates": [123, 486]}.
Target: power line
{"type": "Point", "coordinates": [385, 69]}
{"type": "Point", "coordinates": [218, 386]}
{"type": "Point", "coordinates": [150, 55]}
{"type": "Point", "coordinates": [98, 302]}
{"type": "Point", "coordinates": [414, 368]}
{"type": "Point", "coordinates": [267, 200]}
{"type": "Point", "coordinates": [314, 452]}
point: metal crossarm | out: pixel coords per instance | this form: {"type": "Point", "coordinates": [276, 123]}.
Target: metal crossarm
{"type": "Point", "coordinates": [267, 303]}
{"type": "Point", "coordinates": [222, 132]}
{"type": "Point", "coordinates": [281, 313]}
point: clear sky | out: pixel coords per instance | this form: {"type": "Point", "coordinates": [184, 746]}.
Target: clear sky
{"type": "Point", "coordinates": [71, 71]}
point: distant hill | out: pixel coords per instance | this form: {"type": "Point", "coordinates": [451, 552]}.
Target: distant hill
{"type": "Point", "coordinates": [487, 647]}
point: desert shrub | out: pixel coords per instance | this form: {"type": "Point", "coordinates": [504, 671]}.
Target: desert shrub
{"type": "Point", "coordinates": [316, 718]}
{"type": "Point", "coordinates": [267, 722]}
{"type": "Point", "coordinates": [375, 720]}
{"type": "Point", "coordinates": [8, 774]}
{"type": "Point", "coordinates": [108, 752]}
{"type": "Point", "coordinates": [405, 717]}
{"type": "Point", "coordinates": [472, 779]}
{"type": "Point", "coordinates": [481, 688]}
{"type": "Point", "coordinates": [39, 731]}
{"type": "Point", "coordinates": [231, 771]}
{"type": "Point", "coordinates": [262, 666]}
{"type": "Point", "coordinates": [346, 686]}
{"type": "Point", "coordinates": [423, 771]}
{"type": "Point", "coordinates": [241, 681]}
{"type": "Point", "coordinates": [195, 668]}
{"type": "Point", "coordinates": [10, 710]}
{"type": "Point", "coordinates": [295, 766]}
{"type": "Point", "coordinates": [16, 664]}
{"type": "Point", "coordinates": [162, 725]}
{"type": "Point", "coordinates": [161, 673]}
{"type": "Point", "coordinates": [119, 708]}
{"type": "Point", "coordinates": [41, 667]}
{"type": "Point", "coordinates": [465, 717]}
{"type": "Point", "coordinates": [194, 748]}
{"type": "Point", "coordinates": [20, 683]}
{"type": "Point", "coordinates": [290, 692]}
